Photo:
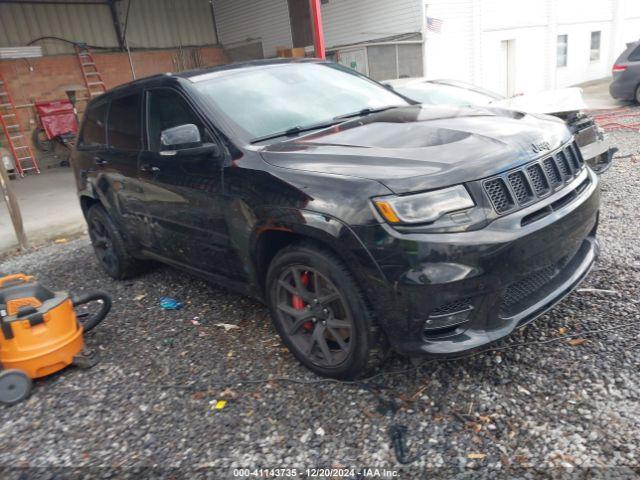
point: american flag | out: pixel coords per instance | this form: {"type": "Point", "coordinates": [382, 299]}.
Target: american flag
{"type": "Point", "coordinates": [434, 24]}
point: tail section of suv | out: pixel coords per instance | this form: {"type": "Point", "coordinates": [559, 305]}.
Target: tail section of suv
{"type": "Point", "coordinates": [362, 220]}
{"type": "Point", "coordinates": [626, 74]}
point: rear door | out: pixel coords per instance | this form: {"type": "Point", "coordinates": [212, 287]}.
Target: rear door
{"type": "Point", "coordinates": [91, 145]}
{"type": "Point", "coordinates": [118, 165]}
{"type": "Point", "coordinates": [634, 66]}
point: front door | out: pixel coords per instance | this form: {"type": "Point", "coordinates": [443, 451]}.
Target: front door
{"type": "Point", "coordinates": [183, 193]}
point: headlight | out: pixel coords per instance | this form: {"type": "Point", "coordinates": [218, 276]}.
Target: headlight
{"type": "Point", "coordinates": [424, 207]}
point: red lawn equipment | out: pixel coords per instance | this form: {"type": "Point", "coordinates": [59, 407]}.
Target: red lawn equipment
{"type": "Point", "coordinates": [57, 123]}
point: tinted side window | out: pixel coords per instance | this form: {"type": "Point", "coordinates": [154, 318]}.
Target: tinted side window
{"type": "Point", "coordinates": [166, 109]}
{"type": "Point", "coordinates": [93, 129]}
{"type": "Point", "coordinates": [635, 55]}
{"type": "Point", "coordinates": [124, 123]}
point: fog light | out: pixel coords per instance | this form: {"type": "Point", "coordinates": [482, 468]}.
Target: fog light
{"type": "Point", "coordinates": [449, 316]}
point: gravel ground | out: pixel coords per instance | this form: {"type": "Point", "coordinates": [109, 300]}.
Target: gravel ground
{"type": "Point", "coordinates": [541, 405]}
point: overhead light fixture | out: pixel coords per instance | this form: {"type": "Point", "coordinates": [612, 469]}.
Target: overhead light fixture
{"type": "Point", "coordinates": [7, 53]}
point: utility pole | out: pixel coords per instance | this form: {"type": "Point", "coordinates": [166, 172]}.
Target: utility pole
{"type": "Point", "coordinates": [423, 33]}
{"type": "Point", "coordinates": [12, 205]}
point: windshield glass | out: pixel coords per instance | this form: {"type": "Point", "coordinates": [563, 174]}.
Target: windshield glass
{"type": "Point", "coordinates": [266, 100]}
{"type": "Point", "coordinates": [433, 94]}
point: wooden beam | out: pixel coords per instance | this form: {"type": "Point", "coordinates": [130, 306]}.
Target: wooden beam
{"type": "Point", "coordinates": [12, 205]}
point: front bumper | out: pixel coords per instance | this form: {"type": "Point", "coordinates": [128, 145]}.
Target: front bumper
{"type": "Point", "coordinates": [599, 155]}
{"type": "Point", "coordinates": [455, 292]}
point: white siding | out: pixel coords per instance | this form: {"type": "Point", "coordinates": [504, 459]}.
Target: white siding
{"type": "Point", "coordinates": [579, 11]}
{"type": "Point", "coordinates": [469, 47]}
{"type": "Point", "coordinates": [351, 21]}
{"type": "Point", "coordinates": [511, 14]}
{"type": "Point", "coordinates": [579, 67]}
{"type": "Point", "coordinates": [247, 21]}
{"type": "Point", "coordinates": [631, 24]}
{"type": "Point", "coordinates": [529, 59]}
{"type": "Point", "coordinates": [450, 52]}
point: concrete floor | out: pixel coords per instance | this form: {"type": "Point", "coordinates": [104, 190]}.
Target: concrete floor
{"type": "Point", "coordinates": [596, 95]}
{"type": "Point", "coordinates": [49, 207]}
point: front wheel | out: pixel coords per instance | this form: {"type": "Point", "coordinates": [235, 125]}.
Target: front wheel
{"type": "Point", "coordinates": [109, 246]}
{"type": "Point", "coordinates": [320, 313]}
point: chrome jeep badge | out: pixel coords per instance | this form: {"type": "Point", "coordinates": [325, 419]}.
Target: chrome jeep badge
{"type": "Point", "coordinates": [541, 146]}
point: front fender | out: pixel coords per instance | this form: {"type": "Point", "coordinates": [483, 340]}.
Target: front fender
{"type": "Point", "coordinates": [328, 232]}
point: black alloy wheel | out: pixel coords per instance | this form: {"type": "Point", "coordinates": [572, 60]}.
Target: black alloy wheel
{"type": "Point", "coordinates": [320, 313]}
{"type": "Point", "coordinates": [316, 317]}
{"type": "Point", "coordinates": [103, 245]}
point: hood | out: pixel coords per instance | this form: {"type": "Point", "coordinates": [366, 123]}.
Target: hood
{"type": "Point", "coordinates": [423, 147]}
{"type": "Point", "coordinates": [552, 102]}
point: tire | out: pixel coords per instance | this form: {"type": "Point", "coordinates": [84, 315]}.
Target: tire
{"type": "Point", "coordinates": [637, 95]}
{"type": "Point", "coordinates": [41, 141]}
{"type": "Point", "coordinates": [315, 331]}
{"type": "Point", "coordinates": [15, 386]}
{"type": "Point", "coordinates": [109, 246]}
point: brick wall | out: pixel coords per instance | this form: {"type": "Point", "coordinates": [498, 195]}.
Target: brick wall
{"type": "Point", "coordinates": [45, 78]}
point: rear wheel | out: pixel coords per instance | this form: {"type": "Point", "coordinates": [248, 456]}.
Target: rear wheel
{"type": "Point", "coordinates": [320, 313]}
{"type": "Point", "coordinates": [41, 141]}
{"type": "Point", "coordinates": [638, 94]}
{"type": "Point", "coordinates": [109, 246]}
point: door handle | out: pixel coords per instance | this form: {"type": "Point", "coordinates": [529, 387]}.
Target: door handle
{"type": "Point", "coordinates": [100, 161]}
{"type": "Point", "coordinates": [145, 167]}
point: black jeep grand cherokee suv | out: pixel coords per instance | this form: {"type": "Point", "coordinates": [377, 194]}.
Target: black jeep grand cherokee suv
{"type": "Point", "coordinates": [361, 219]}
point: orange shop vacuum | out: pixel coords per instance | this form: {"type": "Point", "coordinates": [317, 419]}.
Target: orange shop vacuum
{"type": "Point", "coordinates": [40, 333]}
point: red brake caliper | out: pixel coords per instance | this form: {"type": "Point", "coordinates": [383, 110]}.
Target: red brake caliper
{"type": "Point", "coordinates": [298, 303]}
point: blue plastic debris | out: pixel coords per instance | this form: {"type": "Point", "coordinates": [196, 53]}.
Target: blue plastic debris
{"type": "Point", "coordinates": [169, 303]}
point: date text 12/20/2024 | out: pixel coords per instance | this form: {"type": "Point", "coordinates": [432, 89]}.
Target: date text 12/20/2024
{"type": "Point", "coordinates": [320, 473]}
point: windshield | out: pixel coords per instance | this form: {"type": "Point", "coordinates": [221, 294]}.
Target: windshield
{"type": "Point", "coordinates": [433, 94]}
{"type": "Point", "coordinates": [267, 100]}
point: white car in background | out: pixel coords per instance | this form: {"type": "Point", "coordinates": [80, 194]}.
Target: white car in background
{"type": "Point", "coordinates": [564, 103]}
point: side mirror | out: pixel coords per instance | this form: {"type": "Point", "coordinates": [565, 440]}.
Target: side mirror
{"type": "Point", "coordinates": [182, 136]}
{"type": "Point", "coordinates": [185, 141]}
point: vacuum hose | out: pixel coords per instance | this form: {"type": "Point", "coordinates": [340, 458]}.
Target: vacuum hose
{"type": "Point", "coordinates": [93, 321]}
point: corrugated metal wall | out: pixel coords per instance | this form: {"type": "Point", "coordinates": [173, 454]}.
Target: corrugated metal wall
{"type": "Point", "coordinates": [20, 24]}
{"type": "Point", "coordinates": [245, 21]}
{"type": "Point", "coordinates": [152, 24]}
{"type": "Point", "coordinates": [168, 23]}
{"type": "Point", "coordinates": [348, 21]}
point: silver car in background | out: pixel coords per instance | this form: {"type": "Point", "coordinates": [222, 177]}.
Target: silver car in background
{"type": "Point", "coordinates": [565, 103]}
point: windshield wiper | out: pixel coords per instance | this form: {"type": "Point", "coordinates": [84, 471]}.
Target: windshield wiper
{"type": "Point", "coordinates": [295, 130]}
{"type": "Point", "coordinates": [365, 111]}
{"type": "Point", "coordinates": [339, 119]}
